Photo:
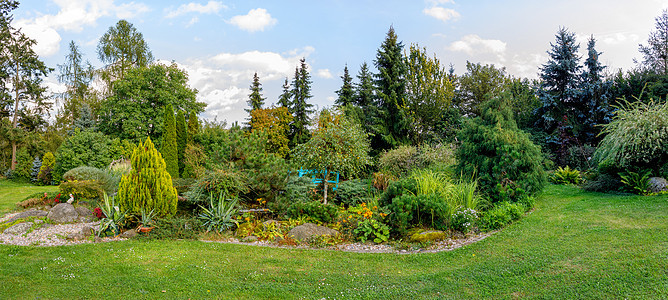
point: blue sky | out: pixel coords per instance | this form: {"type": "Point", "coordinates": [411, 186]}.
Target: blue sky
{"type": "Point", "coordinates": [222, 43]}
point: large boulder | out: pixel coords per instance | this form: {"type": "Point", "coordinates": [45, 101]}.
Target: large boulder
{"type": "Point", "coordinates": [85, 214]}
{"type": "Point", "coordinates": [658, 184]}
{"type": "Point", "coordinates": [18, 229]}
{"type": "Point", "coordinates": [309, 230]}
{"type": "Point", "coordinates": [63, 213]}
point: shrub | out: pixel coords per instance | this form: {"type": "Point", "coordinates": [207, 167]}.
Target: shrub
{"type": "Point", "coordinates": [228, 182]}
{"type": "Point", "coordinates": [381, 180]}
{"type": "Point", "coordinates": [313, 210]}
{"type": "Point", "coordinates": [601, 182]}
{"type": "Point", "coordinates": [422, 210]}
{"type": "Point", "coordinates": [405, 159]}
{"type": "Point", "coordinates": [464, 220]}
{"type": "Point", "coordinates": [503, 213]}
{"type": "Point", "coordinates": [45, 175]}
{"type": "Point", "coordinates": [353, 192]}
{"type": "Point", "coordinates": [580, 157]}
{"type": "Point", "coordinates": [298, 189]}
{"type": "Point", "coordinates": [219, 216]}
{"type": "Point", "coordinates": [636, 182]}
{"type": "Point", "coordinates": [370, 229]}
{"type": "Point", "coordinates": [84, 189]}
{"type": "Point", "coordinates": [148, 186]}
{"type": "Point", "coordinates": [34, 171]}
{"type": "Point", "coordinates": [499, 154]}
{"type": "Point", "coordinates": [86, 148]}
{"type": "Point", "coordinates": [105, 179]}
{"type": "Point", "coordinates": [636, 137]}
{"type": "Point", "coordinates": [23, 166]}
{"type": "Point", "coordinates": [566, 176]}
{"type": "Point", "coordinates": [169, 146]}
{"type": "Point", "coordinates": [403, 186]}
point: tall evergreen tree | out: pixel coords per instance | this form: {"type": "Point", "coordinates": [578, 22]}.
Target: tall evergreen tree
{"type": "Point", "coordinates": [364, 89]}
{"type": "Point", "coordinates": [346, 93]}
{"type": "Point", "coordinates": [169, 148]}
{"type": "Point", "coordinates": [301, 93]}
{"type": "Point", "coordinates": [391, 90]}
{"type": "Point", "coordinates": [595, 93]}
{"type": "Point", "coordinates": [77, 76]}
{"type": "Point", "coordinates": [284, 99]}
{"type": "Point", "coordinates": [255, 99]}
{"type": "Point", "coordinates": [181, 138]}
{"type": "Point", "coordinates": [86, 120]}
{"type": "Point", "coordinates": [193, 126]}
{"type": "Point", "coordinates": [655, 54]}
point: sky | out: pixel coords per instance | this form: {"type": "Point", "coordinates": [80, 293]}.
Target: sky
{"type": "Point", "coordinates": [221, 44]}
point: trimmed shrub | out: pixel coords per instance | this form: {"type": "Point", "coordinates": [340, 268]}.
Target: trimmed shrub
{"type": "Point", "coordinates": [148, 186]}
{"type": "Point", "coordinates": [501, 156]}
{"type": "Point", "coordinates": [313, 210]}
{"type": "Point", "coordinates": [81, 189]}
{"type": "Point", "coordinates": [181, 139]}
{"type": "Point", "coordinates": [405, 159]}
{"type": "Point", "coordinates": [23, 166]}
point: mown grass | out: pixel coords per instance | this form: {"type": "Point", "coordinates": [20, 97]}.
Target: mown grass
{"type": "Point", "coordinates": [574, 245]}
{"type": "Point", "coordinates": [12, 192]}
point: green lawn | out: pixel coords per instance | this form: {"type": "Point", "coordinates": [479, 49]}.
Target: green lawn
{"type": "Point", "coordinates": [12, 192]}
{"type": "Point", "coordinates": [574, 245]}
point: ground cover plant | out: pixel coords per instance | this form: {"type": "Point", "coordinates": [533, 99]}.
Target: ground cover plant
{"type": "Point", "coordinates": [574, 245]}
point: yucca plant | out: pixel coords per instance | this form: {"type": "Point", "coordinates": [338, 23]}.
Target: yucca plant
{"type": "Point", "coordinates": [637, 182]}
{"type": "Point", "coordinates": [566, 176]}
{"type": "Point", "coordinates": [113, 218]}
{"type": "Point", "coordinates": [219, 216]}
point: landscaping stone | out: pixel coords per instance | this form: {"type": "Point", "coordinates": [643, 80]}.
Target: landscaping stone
{"type": "Point", "coordinates": [249, 239]}
{"type": "Point", "coordinates": [85, 214]}
{"type": "Point", "coordinates": [129, 233]}
{"type": "Point", "coordinates": [428, 236]}
{"type": "Point", "coordinates": [27, 213]}
{"type": "Point", "coordinates": [63, 213]}
{"type": "Point", "coordinates": [309, 230]}
{"type": "Point", "coordinates": [87, 230]}
{"type": "Point", "coordinates": [18, 229]}
{"type": "Point", "coordinates": [658, 184]}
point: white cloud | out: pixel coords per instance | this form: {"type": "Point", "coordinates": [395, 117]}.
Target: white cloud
{"type": "Point", "coordinates": [441, 13]}
{"type": "Point", "coordinates": [256, 20]}
{"type": "Point", "coordinates": [223, 79]}
{"type": "Point", "coordinates": [331, 98]}
{"type": "Point", "coordinates": [324, 73]}
{"type": "Point", "coordinates": [437, 2]}
{"type": "Point", "coordinates": [211, 7]}
{"type": "Point", "coordinates": [74, 15]}
{"type": "Point", "coordinates": [472, 44]}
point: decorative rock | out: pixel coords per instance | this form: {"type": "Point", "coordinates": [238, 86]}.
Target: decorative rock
{"type": "Point", "coordinates": [129, 233]}
{"type": "Point", "coordinates": [18, 229]}
{"type": "Point", "coordinates": [428, 236]}
{"type": "Point", "coordinates": [249, 239]}
{"type": "Point", "coordinates": [309, 230]}
{"type": "Point", "coordinates": [63, 213]}
{"type": "Point", "coordinates": [27, 213]}
{"type": "Point", "coordinates": [87, 231]}
{"type": "Point", "coordinates": [658, 184]}
{"type": "Point", "coordinates": [85, 214]}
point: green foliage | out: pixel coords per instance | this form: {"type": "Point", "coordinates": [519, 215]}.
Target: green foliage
{"type": "Point", "coordinates": [371, 229]}
{"type": "Point", "coordinates": [314, 211]}
{"type": "Point", "coordinates": [82, 189]}
{"type": "Point", "coordinates": [602, 182]}
{"type": "Point", "coordinates": [148, 185]}
{"type": "Point", "coordinates": [403, 186]}
{"type": "Point", "coordinates": [113, 218]}
{"type": "Point", "coordinates": [502, 214]}
{"type": "Point", "coordinates": [255, 99]}
{"type": "Point", "coordinates": [636, 182]}
{"type": "Point", "coordinates": [169, 150]}
{"type": "Point", "coordinates": [479, 84]}
{"type": "Point", "coordinates": [655, 53]}
{"type": "Point", "coordinates": [353, 192]}
{"type": "Point", "coordinates": [299, 106]}
{"type": "Point", "coordinates": [122, 47]}
{"type": "Point", "coordinates": [275, 122]}
{"type": "Point", "coordinates": [23, 166]}
{"type": "Point", "coordinates": [107, 180]}
{"type": "Point", "coordinates": [227, 182]}
{"type": "Point", "coordinates": [636, 137]}
{"type": "Point", "coordinates": [86, 148]}
{"type": "Point", "coordinates": [404, 159]}
{"type": "Point", "coordinates": [346, 94]}
{"type": "Point", "coordinates": [193, 126]}
{"type": "Point", "coordinates": [219, 216]}
{"type": "Point", "coordinates": [498, 154]}
{"type": "Point", "coordinates": [464, 220]}
{"type": "Point", "coordinates": [181, 139]}
{"type": "Point", "coordinates": [46, 170]}
{"type": "Point", "coordinates": [132, 111]}
{"type": "Point", "coordinates": [179, 227]}
{"type": "Point", "coordinates": [341, 147]}
{"type": "Point", "coordinates": [566, 176]}
{"type": "Point", "coordinates": [418, 210]}
{"type": "Point", "coordinates": [34, 171]}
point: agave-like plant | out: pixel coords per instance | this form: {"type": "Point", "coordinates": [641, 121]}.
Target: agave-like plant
{"type": "Point", "coordinates": [113, 218]}
{"type": "Point", "coordinates": [219, 216]}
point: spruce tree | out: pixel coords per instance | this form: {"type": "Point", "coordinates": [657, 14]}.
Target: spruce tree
{"type": "Point", "coordinates": [301, 93]}
{"type": "Point", "coordinates": [148, 186]}
{"type": "Point", "coordinates": [34, 171]}
{"type": "Point", "coordinates": [391, 89]}
{"type": "Point", "coordinates": [593, 106]}
{"type": "Point", "coordinates": [86, 120]}
{"type": "Point", "coordinates": [284, 99]}
{"type": "Point", "coordinates": [346, 93]}
{"type": "Point", "coordinates": [364, 90]}
{"type": "Point", "coordinates": [169, 146]}
{"type": "Point", "coordinates": [255, 99]}
{"type": "Point", "coordinates": [193, 126]}
{"type": "Point", "coordinates": [181, 138]}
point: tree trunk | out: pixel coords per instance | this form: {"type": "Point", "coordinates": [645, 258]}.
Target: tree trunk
{"type": "Point", "coordinates": [325, 183]}
{"type": "Point", "coordinates": [16, 113]}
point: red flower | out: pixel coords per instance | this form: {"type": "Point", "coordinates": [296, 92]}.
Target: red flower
{"type": "Point", "coordinates": [98, 212]}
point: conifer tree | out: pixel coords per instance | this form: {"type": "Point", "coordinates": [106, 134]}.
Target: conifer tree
{"type": "Point", "coordinates": [301, 93]}
{"type": "Point", "coordinates": [34, 171]}
{"type": "Point", "coordinates": [169, 146]}
{"type": "Point", "coordinates": [86, 120]}
{"type": "Point", "coordinates": [193, 126]}
{"type": "Point", "coordinates": [148, 186]}
{"type": "Point", "coordinates": [593, 107]}
{"type": "Point", "coordinates": [284, 99]}
{"type": "Point", "coordinates": [346, 93]}
{"type": "Point", "coordinates": [364, 89]}
{"type": "Point", "coordinates": [655, 54]}
{"type": "Point", "coordinates": [46, 170]}
{"type": "Point", "coordinates": [181, 138]}
{"type": "Point", "coordinates": [255, 99]}
{"type": "Point", "coordinates": [391, 90]}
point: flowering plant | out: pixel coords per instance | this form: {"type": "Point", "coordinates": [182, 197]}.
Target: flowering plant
{"type": "Point", "coordinates": [463, 220]}
{"type": "Point", "coordinates": [98, 213]}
